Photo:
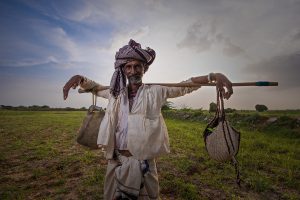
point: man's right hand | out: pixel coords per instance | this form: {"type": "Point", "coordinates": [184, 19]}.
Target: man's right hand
{"type": "Point", "coordinates": [72, 83]}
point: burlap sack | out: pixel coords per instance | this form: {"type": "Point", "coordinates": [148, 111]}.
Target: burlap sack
{"type": "Point", "coordinates": [88, 132]}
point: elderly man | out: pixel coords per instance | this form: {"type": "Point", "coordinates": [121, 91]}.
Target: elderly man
{"type": "Point", "coordinates": [133, 132]}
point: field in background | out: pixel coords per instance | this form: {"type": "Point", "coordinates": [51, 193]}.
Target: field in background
{"type": "Point", "coordinates": [40, 159]}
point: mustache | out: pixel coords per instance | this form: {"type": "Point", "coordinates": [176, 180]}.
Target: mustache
{"type": "Point", "coordinates": [135, 79]}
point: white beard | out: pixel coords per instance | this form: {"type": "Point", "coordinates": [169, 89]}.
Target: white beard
{"type": "Point", "coordinates": [135, 79]}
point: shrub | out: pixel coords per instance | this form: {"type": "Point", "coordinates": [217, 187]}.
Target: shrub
{"type": "Point", "coordinates": [261, 108]}
{"type": "Point", "coordinates": [230, 110]}
{"type": "Point", "coordinates": [212, 107]}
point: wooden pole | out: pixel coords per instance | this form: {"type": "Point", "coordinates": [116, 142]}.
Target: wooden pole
{"type": "Point", "coordinates": [259, 83]}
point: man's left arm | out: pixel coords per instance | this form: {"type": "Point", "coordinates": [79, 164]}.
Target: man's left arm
{"type": "Point", "coordinates": [221, 81]}
{"type": "Point", "coordinates": [173, 92]}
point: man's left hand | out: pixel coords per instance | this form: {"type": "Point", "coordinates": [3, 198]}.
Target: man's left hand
{"type": "Point", "coordinates": [222, 81]}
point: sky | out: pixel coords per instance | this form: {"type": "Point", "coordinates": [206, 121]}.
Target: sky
{"type": "Point", "coordinates": [44, 43]}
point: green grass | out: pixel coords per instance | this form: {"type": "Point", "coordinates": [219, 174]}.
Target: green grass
{"type": "Point", "coordinates": [269, 163]}
{"type": "Point", "coordinates": [40, 159]}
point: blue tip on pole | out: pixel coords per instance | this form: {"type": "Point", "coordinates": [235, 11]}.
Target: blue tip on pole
{"type": "Point", "coordinates": [262, 83]}
{"type": "Point", "coordinates": [266, 83]}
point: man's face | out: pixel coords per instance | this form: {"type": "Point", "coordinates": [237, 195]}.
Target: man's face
{"type": "Point", "coordinates": [134, 71]}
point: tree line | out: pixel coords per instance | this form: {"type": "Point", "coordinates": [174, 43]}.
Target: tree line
{"type": "Point", "coordinates": [167, 106]}
{"type": "Point", "coordinates": [40, 108]}
{"type": "Point", "coordinates": [258, 107]}
{"type": "Point", "coordinates": [213, 107]}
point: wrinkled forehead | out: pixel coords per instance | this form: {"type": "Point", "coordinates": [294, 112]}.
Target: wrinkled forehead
{"type": "Point", "coordinates": [134, 62]}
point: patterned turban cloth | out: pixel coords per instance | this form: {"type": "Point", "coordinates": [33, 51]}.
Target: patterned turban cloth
{"type": "Point", "coordinates": [128, 53]}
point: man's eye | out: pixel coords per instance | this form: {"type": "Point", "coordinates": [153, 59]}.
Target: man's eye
{"type": "Point", "coordinates": [127, 67]}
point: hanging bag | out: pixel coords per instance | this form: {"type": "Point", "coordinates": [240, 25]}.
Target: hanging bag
{"type": "Point", "coordinates": [88, 132]}
{"type": "Point", "coordinates": [222, 140]}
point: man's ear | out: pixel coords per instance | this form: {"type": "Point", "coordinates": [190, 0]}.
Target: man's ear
{"type": "Point", "coordinates": [145, 67]}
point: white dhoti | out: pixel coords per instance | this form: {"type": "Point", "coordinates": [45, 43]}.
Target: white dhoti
{"type": "Point", "coordinates": [127, 177]}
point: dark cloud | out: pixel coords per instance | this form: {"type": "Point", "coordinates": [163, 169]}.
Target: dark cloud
{"type": "Point", "coordinates": [198, 38]}
{"type": "Point", "coordinates": [202, 36]}
{"type": "Point", "coordinates": [284, 68]}
{"type": "Point", "coordinates": [296, 37]}
{"type": "Point", "coordinates": [231, 49]}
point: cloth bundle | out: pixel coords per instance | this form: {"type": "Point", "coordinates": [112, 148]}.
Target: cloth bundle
{"type": "Point", "coordinates": [222, 140]}
{"type": "Point", "coordinates": [135, 179]}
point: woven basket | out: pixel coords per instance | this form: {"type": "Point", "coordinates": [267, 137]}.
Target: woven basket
{"type": "Point", "coordinates": [221, 140]}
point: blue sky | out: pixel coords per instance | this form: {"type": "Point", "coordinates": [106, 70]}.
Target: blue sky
{"type": "Point", "coordinates": [44, 43]}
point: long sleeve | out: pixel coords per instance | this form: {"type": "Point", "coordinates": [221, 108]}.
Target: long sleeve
{"type": "Point", "coordinates": [172, 92]}
{"type": "Point", "coordinates": [88, 85]}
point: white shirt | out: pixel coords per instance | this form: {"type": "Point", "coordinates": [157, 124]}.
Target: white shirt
{"type": "Point", "coordinates": [147, 135]}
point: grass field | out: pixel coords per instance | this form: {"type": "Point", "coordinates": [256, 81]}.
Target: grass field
{"type": "Point", "coordinates": [40, 159]}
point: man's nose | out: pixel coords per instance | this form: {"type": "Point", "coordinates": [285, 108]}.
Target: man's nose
{"type": "Point", "coordinates": [132, 70]}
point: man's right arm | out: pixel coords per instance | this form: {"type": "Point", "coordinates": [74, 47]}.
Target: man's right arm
{"type": "Point", "coordinates": [86, 85]}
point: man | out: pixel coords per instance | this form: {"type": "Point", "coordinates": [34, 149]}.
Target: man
{"type": "Point", "coordinates": [133, 132]}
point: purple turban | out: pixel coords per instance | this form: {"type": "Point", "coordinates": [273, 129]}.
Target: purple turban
{"type": "Point", "coordinates": [132, 51]}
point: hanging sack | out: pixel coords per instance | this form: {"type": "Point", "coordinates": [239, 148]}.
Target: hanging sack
{"type": "Point", "coordinates": [222, 140]}
{"type": "Point", "coordinates": [88, 132]}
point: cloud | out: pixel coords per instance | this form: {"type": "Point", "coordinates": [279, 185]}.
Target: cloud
{"type": "Point", "coordinates": [283, 68]}
{"type": "Point", "coordinates": [120, 38]}
{"type": "Point", "coordinates": [58, 39]}
{"type": "Point", "coordinates": [44, 43]}
{"type": "Point", "coordinates": [296, 37]}
{"type": "Point", "coordinates": [86, 12]}
{"type": "Point", "coordinates": [77, 11]}
{"type": "Point", "coordinates": [231, 49]}
{"type": "Point", "coordinates": [199, 37]}
{"type": "Point", "coordinates": [26, 62]}
{"type": "Point", "coordinates": [88, 30]}
{"type": "Point", "coordinates": [93, 13]}
{"type": "Point", "coordinates": [202, 37]}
